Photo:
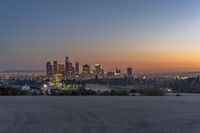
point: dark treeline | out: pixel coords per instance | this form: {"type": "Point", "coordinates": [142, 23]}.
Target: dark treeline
{"type": "Point", "coordinates": [190, 85]}
{"type": "Point", "coordinates": [12, 91]}
{"type": "Point", "coordinates": [84, 92]}
{"type": "Point", "coordinates": [144, 87]}
{"type": "Point", "coordinates": [121, 81]}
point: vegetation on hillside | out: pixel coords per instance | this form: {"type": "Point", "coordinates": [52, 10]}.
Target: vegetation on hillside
{"type": "Point", "coordinates": [12, 91]}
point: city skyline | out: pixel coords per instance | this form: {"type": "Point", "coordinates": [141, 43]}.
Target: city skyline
{"type": "Point", "coordinates": [146, 35]}
{"type": "Point", "coordinates": [73, 63]}
{"type": "Point", "coordinates": [72, 71]}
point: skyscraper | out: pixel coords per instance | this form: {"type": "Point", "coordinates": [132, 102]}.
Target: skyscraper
{"type": "Point", "coordinates": [86, 69]}
{"type": "Point", "coordinates": [77, 68]}
{"type": "Point", "coordinates": [117, 72]}
{"type": "Point", "coordinates": [71, 71]}
{"type": "Point", "coordinates": [129, 72]}
{"type": "Point", "coordinates": [86, 72]}
{"type": "Point", "coordinates": [49, 69]}
{"type": "Point", "coordinates": [55, 67]}
{"type": "Point", "coordinates": [98, 71]}
{"type": "Point", "coordinates": [66, 66]}
{"type": "Point", "coordinates": [61, 69]}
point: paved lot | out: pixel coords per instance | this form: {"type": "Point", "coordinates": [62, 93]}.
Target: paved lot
{"type": "Point", "coordinates": [168, 114]}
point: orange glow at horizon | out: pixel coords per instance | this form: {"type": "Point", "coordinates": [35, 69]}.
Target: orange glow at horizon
{"type": "Point", "coordinates": [148, 61]}
{"type": "Point", "coordinates": [141, 57]}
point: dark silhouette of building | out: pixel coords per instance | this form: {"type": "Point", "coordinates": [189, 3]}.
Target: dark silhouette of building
{"type": "Point", "coordinates": [55, 67]}
{"type": "Point", "coordinates": [49, 69]}
{"type": "Point", "coordinates": [129, 72]}
{"type": "Point", "coordinates": [61, 69]}
{"type": "Point", "coordinates": [71, 71]}
{"type": "Point", "coordinates": [66, 66]}
{"type": "Point", "coordinates": [77, 68]}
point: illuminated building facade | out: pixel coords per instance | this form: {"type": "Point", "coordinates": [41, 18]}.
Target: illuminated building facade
{"type": "Point", "coordinates": [71, 71]}
{"type": "Point", "coordinates": [118, 73]}
{"type": "Point", "coordinates": [86, 72]}
{"type": "Point", "coordinates": [98, 71]}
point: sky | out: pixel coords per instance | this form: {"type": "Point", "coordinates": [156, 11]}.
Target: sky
{"type": "Point", "coordinates": [148, 35]}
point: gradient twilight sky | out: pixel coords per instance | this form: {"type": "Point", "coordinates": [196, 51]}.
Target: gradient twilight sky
{"type": "Point", "coordinates": [148, 35]}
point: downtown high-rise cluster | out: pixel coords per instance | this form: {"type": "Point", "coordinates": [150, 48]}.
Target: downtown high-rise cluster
{"type": "Point", "coordinates": [69, 71]}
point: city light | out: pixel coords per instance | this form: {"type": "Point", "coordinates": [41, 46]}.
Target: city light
{"type": "Point", "coordinates": [45, 86]}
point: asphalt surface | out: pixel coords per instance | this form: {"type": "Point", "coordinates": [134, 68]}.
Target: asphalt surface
{"type": "Point", "coordinates": [137, 114]}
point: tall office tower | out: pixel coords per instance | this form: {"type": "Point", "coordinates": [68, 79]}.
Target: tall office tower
{"type": "Point", "coordinates": [55, 67]}
{"type": "Point", "coordinates": [86, 72]}
{"type": "Point", "coordinates": [49, 69]}
{"type": "Point", "coordinates": [86, 69]}
{"type": "Point", "coordinates": [129, 72]}
{"type": "Point", "coordinates": [98, 71]}
{"type": "Point", "coordinates": [61, 69]}
{"type": "Point", "coordinates": [77, 68]}
{"type": "Point", "coordinates": [67, 66]}
{"type": "Point", "coordinates": [73, 74]}
{"type": "Point", "coordinates": [71, 71]}
{"type": "Point", "coordinates": [117, 72]}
